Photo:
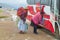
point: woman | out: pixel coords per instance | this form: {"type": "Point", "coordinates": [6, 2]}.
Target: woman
{"type": "Point", "coordinates": [21, 24]}
{"type": "Point", "coordinates": [37, 20]}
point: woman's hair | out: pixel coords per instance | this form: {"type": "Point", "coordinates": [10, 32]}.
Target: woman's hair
{"type": "Point", "coordinates": [42, 10]}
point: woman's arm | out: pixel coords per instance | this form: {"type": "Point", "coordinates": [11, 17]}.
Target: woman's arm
{"type": "Point", "coordinates": [41, 25]}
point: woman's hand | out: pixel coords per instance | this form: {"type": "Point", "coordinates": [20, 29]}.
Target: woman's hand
{"type": "Point", "coordinates": [41, 25]}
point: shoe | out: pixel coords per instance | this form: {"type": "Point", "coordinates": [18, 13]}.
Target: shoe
{"type": "Point", "coordinates": [21, 32]}
{"type": "Point", "coordinates": [35, 33]}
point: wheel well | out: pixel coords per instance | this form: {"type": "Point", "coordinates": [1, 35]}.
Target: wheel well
{"type": "Point", "coordinates": [56, 25]}
{"type": "Point", "coordinates": [56, 28]}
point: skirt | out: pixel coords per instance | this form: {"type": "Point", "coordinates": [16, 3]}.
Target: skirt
{"type": "Point", "coordinates": [22, 26]}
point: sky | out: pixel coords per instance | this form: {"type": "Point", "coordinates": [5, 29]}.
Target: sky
{"type": "Point", "coordinates": [14, 3]}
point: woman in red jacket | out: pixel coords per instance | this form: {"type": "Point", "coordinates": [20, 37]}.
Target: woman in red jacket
{"type": "Point", "coordinates": [22, 14]}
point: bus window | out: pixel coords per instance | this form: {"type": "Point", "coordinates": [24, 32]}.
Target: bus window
{"type": "Point", "coordinates": [31, 2]}
{"type": "Point", "coordinates": [43, 2]}
{"type": "Point", "coordinates": [58, 6]}
{"type": "Point", "coordinates": [36, 1]}
{"type": "Point", "coordinates": [52, 6]}
{"type": "Point", "coordinates": [58, 9]}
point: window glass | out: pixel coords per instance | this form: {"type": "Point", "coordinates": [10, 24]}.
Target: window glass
{"type": "Point", "coordinates": [58, 5]}
{"type": "Point", "coordinates": [36, 1]}
{"type": "Point", "coordinates": [31, 2]}
{"type": "Point", "coordinates": [28, 1]}
{"type": "Point", "coordinates": [52, 6]}
{"type": "Point", "coordinates": [43, 2]}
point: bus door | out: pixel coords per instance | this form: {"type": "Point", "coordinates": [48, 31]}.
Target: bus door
{"type": "Point", "coordinates": [58, 8]}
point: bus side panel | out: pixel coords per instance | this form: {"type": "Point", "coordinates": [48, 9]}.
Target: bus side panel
{"type": "Point", "coordinates": [48, 25]}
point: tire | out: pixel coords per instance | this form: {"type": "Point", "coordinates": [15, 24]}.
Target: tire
{"type": "Point", "coordinates": [56, 30]}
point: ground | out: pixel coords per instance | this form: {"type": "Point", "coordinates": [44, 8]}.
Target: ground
{"type": "Point", "coordinates": [9, 31]}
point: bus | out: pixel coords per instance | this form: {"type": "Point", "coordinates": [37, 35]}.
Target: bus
{"type": "Point", "coordinates": [52, 11]}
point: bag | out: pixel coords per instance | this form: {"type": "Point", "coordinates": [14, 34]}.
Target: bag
{"type": "Point", "coordinates": [22, 26]}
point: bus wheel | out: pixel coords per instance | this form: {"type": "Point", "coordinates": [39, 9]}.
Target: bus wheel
{"type": "Point", "coordinates": [56, 31]}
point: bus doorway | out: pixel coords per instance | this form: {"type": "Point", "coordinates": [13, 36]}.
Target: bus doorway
{"type": "Point", "coordinates": [57, 17]}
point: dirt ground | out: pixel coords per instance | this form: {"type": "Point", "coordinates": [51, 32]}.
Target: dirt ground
{"type": "Point", "coordinates": [9, 31]}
